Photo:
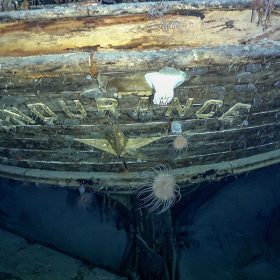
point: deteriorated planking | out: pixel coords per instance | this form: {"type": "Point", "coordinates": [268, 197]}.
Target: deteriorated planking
{"type": "Point", "coordinates": [137, 32]}
{"type": "Point", "coordinates": [76, 109]}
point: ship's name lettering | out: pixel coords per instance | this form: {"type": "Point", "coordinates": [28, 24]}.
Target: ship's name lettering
{"type": "Point", "coordinates": [43, 112]}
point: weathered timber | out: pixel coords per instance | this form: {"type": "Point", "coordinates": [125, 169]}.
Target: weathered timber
{"type": "Point", "coordinates": [80, 9]}
{"type": "Point", "coordinates": [178, 25]}
{"type": "Point", "coordinates": [125, 182]}
{"type": "Point", "coordinates": [76, 109]}
{"type": "Point", "coordinates": [87, 9]}
{"type": "Point", "coordinates": [208, 147]}
{"type": "Point", "coordinates": [108, 61]}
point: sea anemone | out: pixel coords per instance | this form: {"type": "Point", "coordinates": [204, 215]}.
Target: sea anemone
{"type": "Point", "coordinates": [179, 145]}
{"type": "Point", "coordinates": [160, 191]}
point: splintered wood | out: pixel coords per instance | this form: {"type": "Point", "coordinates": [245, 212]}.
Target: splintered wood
{"type": "Point", "coordinates": [130, 32]}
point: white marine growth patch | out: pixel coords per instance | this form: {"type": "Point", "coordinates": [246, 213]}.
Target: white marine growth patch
{"type": "Point", "coordinates": [164, 82]}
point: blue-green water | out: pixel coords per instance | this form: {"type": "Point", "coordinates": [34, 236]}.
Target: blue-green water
{"type": "Point", "coordinates": [226, 230]}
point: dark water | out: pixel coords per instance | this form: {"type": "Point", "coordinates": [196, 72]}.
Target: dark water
{"type": "Point", "coordinates": [226, 230]}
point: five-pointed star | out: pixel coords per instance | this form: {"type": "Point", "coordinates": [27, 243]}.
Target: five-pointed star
{"type": "Point", "coordinates": [130, 148]}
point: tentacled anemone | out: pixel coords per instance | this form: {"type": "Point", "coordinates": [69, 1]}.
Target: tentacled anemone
{"type": "Point", "coordinates": [160, 191]}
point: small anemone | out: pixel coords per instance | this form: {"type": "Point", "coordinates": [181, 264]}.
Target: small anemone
{"type": "Point", "coordinates": [160, 191]}
{"type": "Point", "coordinates": [180, 144]}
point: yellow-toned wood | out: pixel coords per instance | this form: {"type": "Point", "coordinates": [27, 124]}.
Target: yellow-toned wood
{"type": "Point", "coordinates": [130, 32]}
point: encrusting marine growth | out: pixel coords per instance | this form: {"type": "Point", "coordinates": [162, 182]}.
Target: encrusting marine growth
{"type": "Point", "coordinates": [164, 82]}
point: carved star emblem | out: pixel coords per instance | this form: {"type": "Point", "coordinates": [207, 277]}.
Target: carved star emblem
{"type": "Point", "coordinates": [117, 144]}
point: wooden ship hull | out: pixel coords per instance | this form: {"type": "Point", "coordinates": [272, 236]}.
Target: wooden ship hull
{"type": "Point", "coordinates": [76, 109]}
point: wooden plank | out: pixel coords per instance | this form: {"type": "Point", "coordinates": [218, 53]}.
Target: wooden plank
{"type": "Point", "coordinates": [219, 143]}
{"type": "Point", "coordinates": [198, 144]}
{"type": "Point", "coordinates": [191, 125]}
{"type": "Point", "coordinates": [132, 165]}
{"type": "Point", "coordinates": [124, 181]}
{"type": "Point", "coordinates": [65, 86]}
{"type": "Point", "coordinates": [244, 93]}
{"type": "Point", "coordinates": [84, 9]}
{"type": "Point", "coordinates": [261, 103]}
{"type": "Point", "coordinates": [73, 63]}
{"type": "Point", "coordinates": [203, 28]}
